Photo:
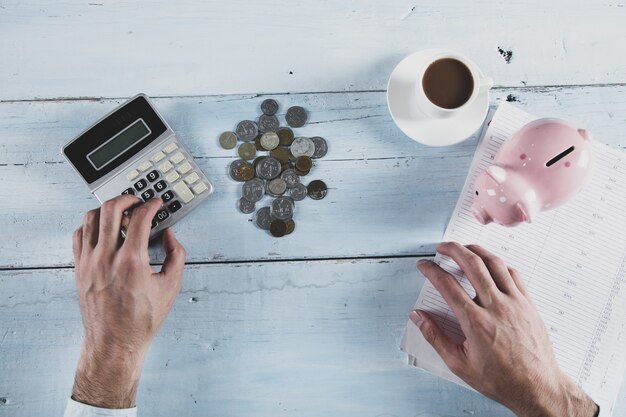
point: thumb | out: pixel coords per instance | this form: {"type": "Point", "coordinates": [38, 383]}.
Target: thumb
{"type": "Point", "coordinates": [451, 352]}
{"type": "Point", "coordinates": [175, 255]}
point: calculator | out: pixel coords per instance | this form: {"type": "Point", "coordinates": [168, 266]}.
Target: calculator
{"type": "Point", "coordinates": [132, 150]}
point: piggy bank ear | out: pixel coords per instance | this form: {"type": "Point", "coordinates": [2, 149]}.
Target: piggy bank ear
{"type": "Point", "coordinates": [524, 213]}
{"type": "Point", "coordinates": [585, 134]}
{"type": "Point", "coordinates": [497, 173]}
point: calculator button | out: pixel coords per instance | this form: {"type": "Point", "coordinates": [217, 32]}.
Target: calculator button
{"type": "Point", "coordinates": [161, 215]}
{"type": "Point", "coordinates": [148, 194]}
{"type": "Point", "coordinates": [152, 175]}
{"type": "Point", "coordinates": [167, 196]}
{"type": "Point", "coordinates": [128, 191]}
{"type": "Point", "coordinates": [157, 157]}
{"type": "Point", "coordinates": [199, 188]}
{"type": "Point", "coordinates": [172, 176]}
{"type": "Point", "coordinates": [183, 192]}
{"type": "Point", "coordinates": [177, 158]}
{"type": "Point", "coordinates": [144, 166]}
{"type": "Point", "coordinates": [191, 178]}
{"type": "Point", "coordinates": [170, 148]}
{"type": "Point", "coordinates": [175, 206]}
{"type": "Point", "coordinates": [132, 175]}
{"type": "Point", "coordinates": [165, 166]}
{"type": "Point", "coordinates": [184, 168]}
{"type": "Point", "coordinates": [140, 185]}
{"type": "Point", "coordinates": [160, 186]}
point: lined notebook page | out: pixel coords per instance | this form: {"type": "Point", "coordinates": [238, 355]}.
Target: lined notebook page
{"type": "Point", "coordinates": [572, 259]}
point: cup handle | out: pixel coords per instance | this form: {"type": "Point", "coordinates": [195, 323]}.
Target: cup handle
{"type": "Point", "coordinates": [485, 83]}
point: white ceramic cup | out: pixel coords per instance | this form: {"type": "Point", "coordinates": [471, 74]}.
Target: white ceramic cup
{"type": "Point", "coordinates": [431, 109]}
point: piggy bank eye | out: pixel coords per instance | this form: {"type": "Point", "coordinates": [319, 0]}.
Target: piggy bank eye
{"type": "Point", "coordinates": [560, 156]}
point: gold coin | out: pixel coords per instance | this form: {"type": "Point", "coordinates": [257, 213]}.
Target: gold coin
{"type": "Point", "coordinates": [257, 143]}
{"type": "Point", "coordinates": [243, 172]}
{"type": "Point", "coordinates": [303, 163]}
{"type": "Point", "coordinates": [281, 153]}
{"type": "Point", "coordinates": [285, 136]}
{"type": "Point", "coordinates": [278, 228]}
{"type": "Point", "coordinates": [302, 173]}
{"type": "Point", "coordinates": [247, 151]}
{"type": "Point", "coordinates": [291, 225]}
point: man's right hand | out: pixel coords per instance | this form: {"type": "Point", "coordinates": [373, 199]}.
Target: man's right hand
{"type": "Point", "coordinates": [123, 301]}
{"type": "Point", "coordinates": [507, 354]}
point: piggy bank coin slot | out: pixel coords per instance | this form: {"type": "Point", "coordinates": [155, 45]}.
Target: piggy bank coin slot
{"type": "Point", "coordinates": [560, 156]}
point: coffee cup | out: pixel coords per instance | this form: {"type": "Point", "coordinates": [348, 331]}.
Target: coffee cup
{"type": "Point", "coordinates": [448, 83]}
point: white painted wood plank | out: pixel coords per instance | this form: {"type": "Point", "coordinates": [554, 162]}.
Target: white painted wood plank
{"type": "Point", "coordinates": [389, 195]}
{"type": "Point", "coordinates": [113, 49]}
{"type": "Point", "coordinates": [265, 339]}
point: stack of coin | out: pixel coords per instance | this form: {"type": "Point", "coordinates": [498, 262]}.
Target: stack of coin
{"type": "Point", "coordinates": [278, 172]}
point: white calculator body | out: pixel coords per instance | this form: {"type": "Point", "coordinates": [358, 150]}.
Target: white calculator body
{"type": "Point", "coordinates": [132, 150]}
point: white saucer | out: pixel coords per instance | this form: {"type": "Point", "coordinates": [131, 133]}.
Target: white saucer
{"type": "Point", "coordinates": [417, 125]}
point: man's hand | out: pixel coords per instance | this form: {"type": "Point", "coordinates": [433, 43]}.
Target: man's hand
{"type": "Point", "coordinates": [507, 354]}
{"type": "Point", "coordinates": [123, 301]}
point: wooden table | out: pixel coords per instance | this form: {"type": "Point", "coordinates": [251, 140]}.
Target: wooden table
{"type": "Point", "coordinates": [307, 325]}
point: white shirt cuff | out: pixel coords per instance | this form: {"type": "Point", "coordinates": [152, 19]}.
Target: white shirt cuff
{"type": "Point", "coordinates": [76, 409]}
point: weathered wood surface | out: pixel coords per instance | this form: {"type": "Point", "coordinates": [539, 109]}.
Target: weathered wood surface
{"type": "Point", "coordinates": [288, 337]}
{"type": "Point", "coordinates": [388, 195]}
{"type": "Point", "coordinates": [186, 47]}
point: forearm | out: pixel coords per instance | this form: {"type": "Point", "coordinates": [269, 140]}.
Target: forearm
{"type": "Point", "coordinates": [108, 378]}
{"type": "Point", "coordinates": [565, 399]}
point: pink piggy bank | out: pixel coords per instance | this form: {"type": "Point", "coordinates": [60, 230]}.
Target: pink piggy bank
{"type": "Point", "coordinates": [543, 165]}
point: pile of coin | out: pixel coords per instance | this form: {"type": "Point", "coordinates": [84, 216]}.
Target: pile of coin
{"type": "Point", "coordinates": [273, 162]}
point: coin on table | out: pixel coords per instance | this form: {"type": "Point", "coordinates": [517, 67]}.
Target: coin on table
{"type": "Point", "coordinates": [321, 147]}
{"type": "Point", "coordinates": [302, 147]}
{"type": "Point", "coordinates": [298, 192]}
{"type": "Point", "coordinates": [246, 206]}
{"type": "Point", "coordinates": [285, 135]}
{"type": "Point", "coordinates": [302, 173]}
{"type": "Point", "coordinates": [296, 116]}
{"type": "Point", "coordinates": [290, 177]}
{"type": "Point", "coordinates": [256, 162]}
{"type": "Point", "coordinates": [257, 143]}
{"type": "Point", "coordinates": [268, 123]}
{"type": "Point", "coordinates": [278, 228]}
{"type": "Point", "coordinates": [247, 151]}
{"type": "Point", "coordinates": [263, 218]}
{"type": "Point", "coordinates": [269, 140]}
{"type": "Point", "coordinates": [228, 140]}
{"type": "Point", "coordinates": [239, 169]}
{"type": "Point", "coordinates": [247, 130]}
{"type": "Point", "coordinates": [253, 190]}
{"type": "Point", "coordinates": [291, 225]}
{"type": "Point", "coordinates": [269, 107]}
{"type": "Point", "coordinates": [281, 153]}
{"type": "Point", "coordinates": [268, 168]}
{"type": "Point", "coordinates": [282, 208]}
{"type": "Point", "coordinates": [277, 187]}
{"type": "Point", "coordinates": [317, 189]}
{"type": "Point", "coordinates": [304, 163]}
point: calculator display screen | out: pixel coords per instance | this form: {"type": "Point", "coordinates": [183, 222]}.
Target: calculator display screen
{"type": "Point", "coordinates": [118, 144]}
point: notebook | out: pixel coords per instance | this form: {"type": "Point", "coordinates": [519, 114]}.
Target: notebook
{"type": "Point", "coordinates": [572, 259]}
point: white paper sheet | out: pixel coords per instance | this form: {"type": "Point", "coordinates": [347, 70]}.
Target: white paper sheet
{"type": "Point", "coordinates": [572, 259]}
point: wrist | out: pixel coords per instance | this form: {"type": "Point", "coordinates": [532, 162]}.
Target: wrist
{"type": "Point", "coordinates": [108, 378]}
{"type": "Point", "coordinates": [565, 398]}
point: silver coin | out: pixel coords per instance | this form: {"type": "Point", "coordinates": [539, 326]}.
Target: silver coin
{"type": "Point", "coordinates": [302, 147]}
{"type": "Point", "coordinates": [228, 140]}
{"type": "Point", "coordinates": [321, 147]}
{"type": "Point", "coordinates": [269, 107]}
{"type": "Point", "coordinates": [269, 140]}
{"type": "Point", "coordinates": [282, 208]}
{"type": "Point", "coordinates": [298, 192]}
{"type": "Point", "coordinates": [247, 130]}
{"type": "Point", "coordinates": [277, 186]}
{"type": "Point", "coordinates": [290, 177]}
{"type": "Point", "coordinates": [246, 206]}
{"type": "Point", "coordinates": [268, 168]}
{"type": "Point", "coordinates": [253, 190]}
{"type": "Point", "coordinates": [263, 218]}
{"type": "Point", "coordinates": [268, 123]}
{"type": "Point", "coordinates": [296, 116]}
